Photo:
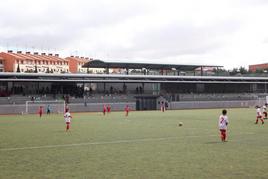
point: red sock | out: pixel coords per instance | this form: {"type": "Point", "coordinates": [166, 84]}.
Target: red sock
{"type": "Point", "coordinates": [223, 134]}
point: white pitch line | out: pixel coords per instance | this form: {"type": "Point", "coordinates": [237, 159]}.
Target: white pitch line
{"type": "Point", "coordinates": [107, 142]}
{"type": "Point", "coordinates": [97, 143]}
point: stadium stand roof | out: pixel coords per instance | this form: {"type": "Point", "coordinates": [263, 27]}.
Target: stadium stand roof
{"type": "Point", "coordinates": [111, 78]}
{"type": "Point", "coordinates": [152, 66]}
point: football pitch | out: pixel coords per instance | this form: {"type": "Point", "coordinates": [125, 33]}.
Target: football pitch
{"type": "Point", "coordinates": [147, 144]}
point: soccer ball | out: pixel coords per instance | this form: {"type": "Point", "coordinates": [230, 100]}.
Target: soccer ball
{"type": "Point", "coordinates": [180, 124]}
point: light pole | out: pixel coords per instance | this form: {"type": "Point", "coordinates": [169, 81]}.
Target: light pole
{"type": "Point", "coordinates": [265, 83]}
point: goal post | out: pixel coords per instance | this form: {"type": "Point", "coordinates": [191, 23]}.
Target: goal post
{"type": "Point", "coordinates": [56, 107]}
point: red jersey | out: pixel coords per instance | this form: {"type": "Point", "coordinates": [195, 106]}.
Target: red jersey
{"type": "Point", "coordinates": [109, 108]}
{"type": "Point", "coordinates": [104, 108]}
{"type": "Point", "coordinates": [40, 110]}
{"type": "Point", "coordinates": [127, 108]}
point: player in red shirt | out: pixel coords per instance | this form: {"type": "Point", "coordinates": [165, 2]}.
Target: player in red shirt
{"type": "Point", "coordinates": [104, 109]}
{"type": "Point", "coordinates": [127, 110]}
{"type": "Point", "coordinates": [108, 108]}
{"type": "Point", "coordinates": [40, 111]}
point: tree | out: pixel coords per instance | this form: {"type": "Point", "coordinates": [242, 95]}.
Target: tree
{"type": "Point", "coordinates": [234, 71]}
{"type": "Point", "coordinates": [219, 70]}
{"type": "Point", "coordinates": [243, 70]}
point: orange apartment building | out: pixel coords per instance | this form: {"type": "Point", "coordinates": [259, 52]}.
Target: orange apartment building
{"type": "Point", "coordinates": [76, 63]}
{"type": "Point", "coordinates": [40, 63]}
{"type": "Point", "coordinates": [2, 64]}
{"type": "Point", "coordinates": [253, 68]}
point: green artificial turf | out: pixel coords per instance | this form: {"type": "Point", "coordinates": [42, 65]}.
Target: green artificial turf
{"type": "Point", "coordinates": [147, 144]}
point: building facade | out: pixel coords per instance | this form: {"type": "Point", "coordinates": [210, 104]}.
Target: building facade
{"type": "Point", "coordinates": [34, 62]}
{"type": "Point", "coordinates": [254, 68]}
{"type": "Point", "coordinates": [2, 65]}
{"type": "Point", "coordinates": [76, 63]}
{"type": "Point", "coordinates": [41, 63]}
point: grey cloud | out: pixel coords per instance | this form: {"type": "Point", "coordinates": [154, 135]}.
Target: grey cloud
{"type": "Point", "coordinates": [58, 25]}
{"type": "Point", "coordinates": [72, 14]}
{"type": "Point", "coordinates": [174, 40]}
{"type": "Point", "coordinates": [48, 41]}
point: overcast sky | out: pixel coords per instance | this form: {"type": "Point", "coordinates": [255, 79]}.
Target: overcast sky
{"type": "Point", "coordinates": [231, 33]}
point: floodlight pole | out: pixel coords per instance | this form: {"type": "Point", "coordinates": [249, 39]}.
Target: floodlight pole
{"type": "Point", "coordinates": [265, 87]}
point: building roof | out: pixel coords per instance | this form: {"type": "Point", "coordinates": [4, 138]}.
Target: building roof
{"type": "Point", "coordinates": [79, 59]}
{"type": "Point", "coordinates": [152, 66]}
{"type": "Point", "coordinates": [101, 78]}
{"type": "Point", "coordinates": [36, 56]}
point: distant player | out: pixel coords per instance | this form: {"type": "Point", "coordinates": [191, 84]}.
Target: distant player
{"type": "Point", "coordinates": [223, 122]}
{"type": "Point", "coordinates": [162, 106]}
{"type": "Point", "coordinates": [67, 108]}
{"type": "Point", "coordinates": [48, 109]}
{"type": "Point", "coordinates": [67, 118]}
{"type": "Point", "coordinates": [126, 110]}
{"type": "Point", "coordinates": [40, 111]}
{"type": "Point", "coordinates": [258, 115]}
{"type": "Point", "coordinates": [104, 109]}
{"type": "Point", "coordinates": [264, 112]}
{"type": "Point", "coordinates": [108, 108]}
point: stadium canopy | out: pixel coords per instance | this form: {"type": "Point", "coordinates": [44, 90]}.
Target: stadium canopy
{"type": "Point", "coordinates": [148, 66]}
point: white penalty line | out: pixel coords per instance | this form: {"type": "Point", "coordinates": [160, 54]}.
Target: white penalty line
{"type": "Point", "coordinates": [108, 142]}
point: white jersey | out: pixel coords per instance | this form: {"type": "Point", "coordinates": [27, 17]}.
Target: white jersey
{"type": "Point", "coordinates": [264, 109]}
{"type": "Point", "coordinates": [258, 111]}
{"type": "Point", "coordinates": [67, 117]}
{"type": "Point", "coordinates": [223, 122]}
